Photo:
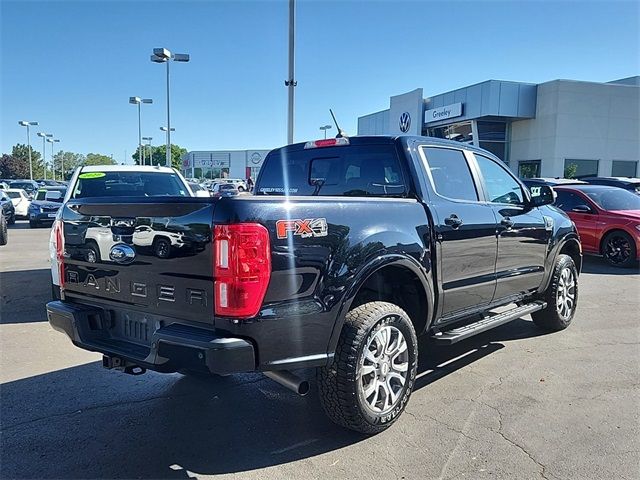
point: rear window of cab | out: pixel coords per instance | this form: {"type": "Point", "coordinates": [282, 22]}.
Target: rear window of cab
{"type": "Point", "coordinates": [354, 170]}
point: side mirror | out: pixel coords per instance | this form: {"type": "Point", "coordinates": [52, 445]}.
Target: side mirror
{"type": "Point", "coordinates": [541, 195]}
{"type": "Point", "coordinates": [581, 209]}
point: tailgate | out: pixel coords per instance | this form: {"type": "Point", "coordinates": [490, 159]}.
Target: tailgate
{"type": "Point", "coordinates": [152, 255]}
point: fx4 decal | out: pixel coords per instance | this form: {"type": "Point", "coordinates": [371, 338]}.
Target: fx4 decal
{"type": "Point", "coordinates": [310, 227]}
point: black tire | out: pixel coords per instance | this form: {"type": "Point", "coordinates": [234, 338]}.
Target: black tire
{"type": "Point", "coordinates": [4, 236]}
{"type": "Point", "coordinates": [162, 248]}
{"type": "Point", "coordinates": [619, 249]}
{"type": "Point", "coordinates": [11, 220]}
{"type": "Point", "coordinates": [341, 389]}
{"type": "Point", "coordinates": [33, 224]}
{"type": "Point", "coordinates": [555, 316]}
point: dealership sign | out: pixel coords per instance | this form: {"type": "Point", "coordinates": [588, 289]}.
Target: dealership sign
{"type": "Point", "coordinates": [443, 113]}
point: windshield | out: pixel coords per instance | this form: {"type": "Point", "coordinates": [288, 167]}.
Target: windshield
{"type": "Point", "coordinates": [42, 195]}
{"type": "Point", "coordinates": [614, 199]}
{"type": "Point", "coordinates": [13, 194]}
{"type": "Point", "coordinates": [129, 184]}
{"type": "Point", "coordinates": [22, 185]}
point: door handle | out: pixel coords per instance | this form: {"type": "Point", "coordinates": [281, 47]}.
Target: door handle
{"type": "Point", "coordinates": [507, 222]}
{"type": "Point", "coordinates": [453, 221]}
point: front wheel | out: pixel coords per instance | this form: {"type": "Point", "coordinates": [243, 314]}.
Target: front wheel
{"type": "Point", "coordinates": [162, 248]}
{"type": "Point", "coordinates": [12, 219]}
{"type": "Point", "coordinates": [33, 224]}
{"type": "Point", "coordinates": [369, 383]}
{"type": "Point", "coordinates": [619, 249]}
{"type": "Point", "coordinates": [561, 297]}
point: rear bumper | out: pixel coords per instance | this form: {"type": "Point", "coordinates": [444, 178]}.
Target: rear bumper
{"type": "Point", "coordinates": [172, 348]}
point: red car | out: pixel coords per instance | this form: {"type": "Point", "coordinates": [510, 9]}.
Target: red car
{"type": "Point", "coordinates": [607, 219]}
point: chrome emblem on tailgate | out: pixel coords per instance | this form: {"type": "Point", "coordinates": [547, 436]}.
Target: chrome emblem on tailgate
{"type": "Point", "coordinates": [122, 253]}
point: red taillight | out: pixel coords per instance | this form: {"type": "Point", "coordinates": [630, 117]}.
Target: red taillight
{"type": "Point", "coordinates": [58, 238]}
{"type": "Point", "coordinates": [242, 269]}
{"type": "Point", "coordinates": [327, 142]}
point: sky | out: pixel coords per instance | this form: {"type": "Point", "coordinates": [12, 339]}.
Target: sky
{"type": "Point", "coordinates": [72, 65]}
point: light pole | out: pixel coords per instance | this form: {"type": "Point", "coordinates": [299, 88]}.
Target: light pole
{"type": "Point", "coordinates": [290, 82]}
{"type": "Point", "coordinates": [325, 128]}
{"type": "Point", "coordinates": [44, 156]}
{"type": "Point", "coordinates": [162, 55]}
{"type": "Point", "coordinates": [53, 164]}
{"type": "Point", "coordinates": [148, 139]}
{"type": "Point", "coordinates": [167, 161]}
{"type": "Point", "coordinates": [24, 123]}
{"type": "Point", "coordinates": [139, 101]}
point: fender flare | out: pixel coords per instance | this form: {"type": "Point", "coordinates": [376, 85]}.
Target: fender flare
{"type": "Point", "coordinates": [373, 266]}
{"type": "Point", "coordinates": [570, 237]}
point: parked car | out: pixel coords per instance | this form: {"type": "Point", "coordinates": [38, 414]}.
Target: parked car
{"type": "Point", "coordinates": [45, 206]}
{"type": "Point", "coordinates": [4, 185]}
{"type": "Point", "coordinates": [4, 235]}
{"type": "Point", "coordinates": [8, 209]}
{"type": "Point", "coordinates": [225, 190]}
{"type": "Point", "coordinates": [198, 190]}
{"type": "Point", "coordinates": [294, 277]}
{"type": "Point", "coordinates": [628, 183]}
{"type": "Point", "coordinates": [552, 182]}
{"type": "Point", "coordinates": [20, 200]}
{"type": "Point", "coordinates": [607, 218]}
{"type": "Point", "coordinates": [49, 183]}
{"type": "Point", "coordinates": [239, 183]}
{"type": "Point", "coordinates": [29, 186]}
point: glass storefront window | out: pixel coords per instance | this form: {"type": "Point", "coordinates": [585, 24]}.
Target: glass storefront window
{"type": "Point", "coordinates": [460, 132]}
{"type": "Point", "coordinates": [529, 169]}
{"type": "Point", "coordinates": [624, 168]}
{"type": "Point", "coordinates": [492, 131]}
{"type": "Point", "coordinates": [576, 168]}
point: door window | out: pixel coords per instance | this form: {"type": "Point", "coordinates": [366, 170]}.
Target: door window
{"type": "Point", "coordinates": [501, 186]}
{"type": "Point", "coordinates": [567, 201]}
{"type": "Point", "coordinates": [450, 174]}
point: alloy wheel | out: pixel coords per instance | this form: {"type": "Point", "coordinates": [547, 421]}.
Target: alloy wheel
{"type": "Point", "coordinates": [383, 369]}
{"type": "Point", "coordinates": [617, 250]}
{"type": "Point", "coordinates": [566, 294]}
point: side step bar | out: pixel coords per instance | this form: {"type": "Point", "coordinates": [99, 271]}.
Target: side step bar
{"type": "Point", "coordinates": [455, 335]}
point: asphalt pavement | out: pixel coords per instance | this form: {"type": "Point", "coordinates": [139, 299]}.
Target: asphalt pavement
{"type": "Point", "coordinates": [513, 403]}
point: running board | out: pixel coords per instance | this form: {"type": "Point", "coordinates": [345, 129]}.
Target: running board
{"type": "Point", "coordinates": [449, 337]}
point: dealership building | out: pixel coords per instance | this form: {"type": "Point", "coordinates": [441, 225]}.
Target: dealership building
{"type": "Point", "coordinates": [539, 130]}
{"type": "Point", "coordinates": [223, 163]}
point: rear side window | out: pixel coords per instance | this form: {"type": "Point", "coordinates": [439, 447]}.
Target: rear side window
{"type": "Point", "coordinates": [354, 170]}
{"type": "Point", "coordinates": [501, 186]}
{"type": "Point", "coordinates": [128, 184]}
{"type": "Point", "coordinates": [450, 173]}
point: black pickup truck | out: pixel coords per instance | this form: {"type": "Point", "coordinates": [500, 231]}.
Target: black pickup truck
{"type": "Point", "coordinates": [349, 250]}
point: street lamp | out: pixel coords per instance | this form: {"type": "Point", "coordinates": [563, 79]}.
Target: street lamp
{"type": "Point", "coordinates": [52, 141]}
{"type": "Point", "coordinates": [148, 139]}
{"type": "Point", "coordinates": [44, 156]}
{"type": "Point", "coordinates": [162, 55]}
{"type": "Point", "coordinates": [24, 123]}
{"type": "Point", "coordinates": [167, 161]}
{"type": "Point", "coordinates": [139, 101]}
{"type": "Point", "coordinates": [325, 128]}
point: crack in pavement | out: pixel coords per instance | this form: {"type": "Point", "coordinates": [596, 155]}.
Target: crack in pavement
{"type": "Point", "coordinates": [500, 431]}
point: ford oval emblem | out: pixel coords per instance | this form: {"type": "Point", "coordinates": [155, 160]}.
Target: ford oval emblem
{"type": "Point", "coordinates": [122, 253]}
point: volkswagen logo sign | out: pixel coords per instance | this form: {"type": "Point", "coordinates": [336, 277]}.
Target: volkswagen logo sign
{"type": "Point", "coordinates": [122, 253]}
{"type": "Point", "coordinates": [405, 122]}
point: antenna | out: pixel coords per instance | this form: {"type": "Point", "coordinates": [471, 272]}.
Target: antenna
{"type": "Point", "coordinates": [341, 132]}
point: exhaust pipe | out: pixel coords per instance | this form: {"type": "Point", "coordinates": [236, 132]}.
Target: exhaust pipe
{"type": "Point", "coordinates": [290, 381]}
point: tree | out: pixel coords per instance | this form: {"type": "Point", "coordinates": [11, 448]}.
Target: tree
{"type": "Point", "coordinates": [20, 164]}
{"type": "Point", "coordinates": [99, 159]}
{"type": "Point", "coordinates": [12, 167]}
{"type": "Point", "coordinates": [570, 170]}
{"type": "Point", "coordinates": [159, 154]}
{"type": "Point", "coordinates": [71, 161]}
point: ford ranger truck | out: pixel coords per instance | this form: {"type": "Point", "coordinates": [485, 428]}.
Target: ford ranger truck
{"type": "Point", "coordinates": [350, 249]}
